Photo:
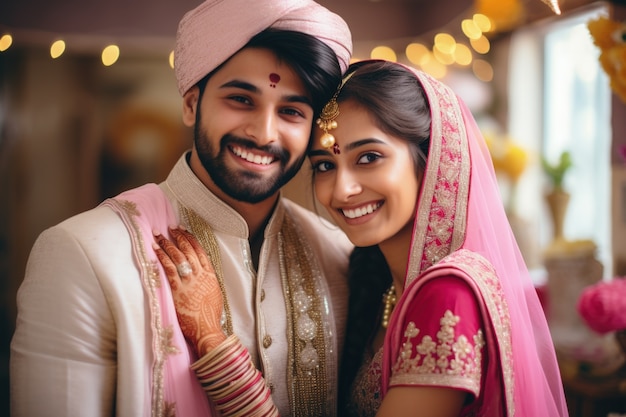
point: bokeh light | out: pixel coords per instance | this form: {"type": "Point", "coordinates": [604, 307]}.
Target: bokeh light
{"type": "Point", "coordinates": [384, 52]}
{"type": "Point", "coordinates": [415, 53]}
{"type": "Point", "coordinates": [5, 42]}
{"type": "Point", "coordinates": [57, 48]}
{"type": "Point", "coordinates": [110, 55]}
{"type": "Point", "coordinates": [481, 45]}
{"type": "Point", "coordinates": [482, 70]}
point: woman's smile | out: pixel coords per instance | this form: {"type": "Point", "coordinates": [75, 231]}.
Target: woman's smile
{"type": "Point", "coordinates": [354, 213]}
{"type": "Point", "coordinates": [371, 169]}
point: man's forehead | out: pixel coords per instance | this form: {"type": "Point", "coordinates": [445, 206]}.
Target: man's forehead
{"type": "Point", "coordinates": [259, 67]}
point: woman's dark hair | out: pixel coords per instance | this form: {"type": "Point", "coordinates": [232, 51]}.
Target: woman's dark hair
{"type": "Point", "coordinates": [395, 99]}
{"type": "Point", "coordinates": [315, 62]}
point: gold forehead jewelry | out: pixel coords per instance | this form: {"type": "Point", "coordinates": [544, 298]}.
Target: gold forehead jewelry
{"type": "Point", "coordinates": [327, 121]}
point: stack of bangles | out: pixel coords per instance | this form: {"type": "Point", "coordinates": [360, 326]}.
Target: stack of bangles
{"type": "Point", "coordinates": [232, 382]}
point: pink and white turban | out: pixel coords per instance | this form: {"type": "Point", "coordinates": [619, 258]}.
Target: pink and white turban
{"type": "Point", "coordinates": [212, 32]}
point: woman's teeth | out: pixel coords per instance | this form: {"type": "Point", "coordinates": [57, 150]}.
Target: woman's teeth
{"type": "Point", "coordinates": [361, 211]}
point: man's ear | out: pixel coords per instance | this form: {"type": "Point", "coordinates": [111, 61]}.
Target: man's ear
{"type": "Point", "coordinates": [190, 105]}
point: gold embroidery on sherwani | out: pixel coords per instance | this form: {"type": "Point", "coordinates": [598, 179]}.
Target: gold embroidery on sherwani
{"type": "Point", "coordinates": [488, 284]}
{"type": "Point", "coordinates": [308, 343]}
{"type": "Point", "coordinates": [299, 273]}
{"type": "Point", "coordinates": [204, 233]}
{"type": "Point", "coordinates": [128, 212]}
{"type": "Point", "coordinates": [450, 361]}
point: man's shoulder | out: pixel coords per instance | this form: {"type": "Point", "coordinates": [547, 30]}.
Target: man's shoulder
{"type": "Point", "coordinates": [104, 215]}
{"type": "Point", "coordinates": [100, 220]}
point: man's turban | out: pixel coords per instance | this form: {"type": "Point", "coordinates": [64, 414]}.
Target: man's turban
{"type": "Point", "coordinates": [215, 30]}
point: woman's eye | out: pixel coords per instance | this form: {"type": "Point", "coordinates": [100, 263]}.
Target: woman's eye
{"type": "Point", "coordinates": [368, 158]}
{"type": "Point", "coordinates": [322, 166]}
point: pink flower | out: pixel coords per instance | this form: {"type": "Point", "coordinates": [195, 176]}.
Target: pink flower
{"type": "Point", "coordinates": [603, 305]}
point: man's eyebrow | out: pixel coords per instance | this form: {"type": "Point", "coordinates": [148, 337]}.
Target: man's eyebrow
{"type": "Point", "coordinates": [290, 98]}
{"type": "Point", "coordinates": [296, 98]}
{"type": "Point", "coordinates": [241, 84]}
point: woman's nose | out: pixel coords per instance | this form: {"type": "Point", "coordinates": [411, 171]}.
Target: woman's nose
{"type": "Point", "coordinates": [346, 185]}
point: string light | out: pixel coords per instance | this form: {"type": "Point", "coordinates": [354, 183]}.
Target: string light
{"type": "Point", "coordinates": [384, 52]}
{"type": "Point", "coordinates": [445, 43]}
{"type": "Point", "coordinates": [481, 45]}
{"type": "Point", "coordinates": [482, 22]}
{"type": "Point", "coordinates": [471, 29]}
{"type": "Point", "coordinates": [462, 55]}
{"type": "Point", "coordinates": [57, 48]}
{"type": "Point", "coordinates": [415, 53]}
{"type": "Point", "coordinates": [445, 50]}
{"type": "Point", "coordinates": [5, 42]}
{"type": "Point", "coordinates": [110, 55]}
{"type": "Point", "coordinates": [482, 70]}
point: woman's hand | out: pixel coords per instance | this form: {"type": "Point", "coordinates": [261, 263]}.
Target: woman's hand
{"type": "Point", "coordinates": [195, 289]}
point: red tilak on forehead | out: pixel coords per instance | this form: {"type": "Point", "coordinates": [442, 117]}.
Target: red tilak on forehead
{"type": "Point", "coordinates": [274, 79]}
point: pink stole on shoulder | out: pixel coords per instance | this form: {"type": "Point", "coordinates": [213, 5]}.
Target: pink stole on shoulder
{"type": "Point", "coordinates": [174, 388]}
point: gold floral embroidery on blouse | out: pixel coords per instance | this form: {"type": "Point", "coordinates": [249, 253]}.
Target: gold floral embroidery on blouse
{"type": "Point", "coordinates": [451, 360]}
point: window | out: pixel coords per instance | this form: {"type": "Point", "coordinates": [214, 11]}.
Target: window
{"type": "Point", "coordinates": [556, 64]}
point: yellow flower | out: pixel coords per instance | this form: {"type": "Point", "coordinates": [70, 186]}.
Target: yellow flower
{"type": "Point", "coordinates": [508, 158]}
{"type": "Point", "coordinates": [515, 160]}
{"type": "Point", "coordinates": [610, 37]}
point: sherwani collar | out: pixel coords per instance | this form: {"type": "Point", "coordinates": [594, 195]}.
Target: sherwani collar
{"type": "Point", "coordinates": [190, 192]}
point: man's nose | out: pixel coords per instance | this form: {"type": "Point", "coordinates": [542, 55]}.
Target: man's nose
{"type": "Point", "coordinates": [263, 127]}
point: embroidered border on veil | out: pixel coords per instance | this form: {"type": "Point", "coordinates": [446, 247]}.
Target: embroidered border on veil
{"type": "Point", "coordinates": [460, 208]}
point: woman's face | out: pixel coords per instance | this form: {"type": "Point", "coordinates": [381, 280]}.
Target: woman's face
{"type": "Point", "coordinates": [370, 187]}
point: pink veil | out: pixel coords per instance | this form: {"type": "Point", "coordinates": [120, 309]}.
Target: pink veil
{"type": "Point", "coordinates": [460, 208]}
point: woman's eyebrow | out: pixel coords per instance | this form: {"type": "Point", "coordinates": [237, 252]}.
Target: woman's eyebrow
{"type": "Point", "coordinates": [351, 146]}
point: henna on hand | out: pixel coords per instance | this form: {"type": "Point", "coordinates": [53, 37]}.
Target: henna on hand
{"type": "Point", "coordinates": [197, 296]}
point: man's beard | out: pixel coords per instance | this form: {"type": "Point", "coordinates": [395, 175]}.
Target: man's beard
{"type": "Point", "coordinates": [241, 185]}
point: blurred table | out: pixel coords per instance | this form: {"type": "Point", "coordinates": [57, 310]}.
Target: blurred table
{"type": "Point", "coordinates": [594, 396]}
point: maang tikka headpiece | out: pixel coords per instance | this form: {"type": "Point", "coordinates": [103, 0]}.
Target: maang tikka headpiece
{"type": "Point", "coordinates": [327, 121]}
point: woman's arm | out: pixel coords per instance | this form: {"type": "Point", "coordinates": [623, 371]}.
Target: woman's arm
{"type": "Point", "coordinates": [225, 369]}
{"type": "Point", "coordinates": [440, 357]}
{"type": "Point", "coordinates": [422, 402]}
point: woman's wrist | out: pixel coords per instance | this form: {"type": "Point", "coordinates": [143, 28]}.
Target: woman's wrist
{"type": "Point", "coordinates": [232, 382]}
{"type": "Point", "coordinates": [209, 343]}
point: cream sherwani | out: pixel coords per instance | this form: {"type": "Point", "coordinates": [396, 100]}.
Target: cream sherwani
{"type": "Point", "coordinates": [83, 344]}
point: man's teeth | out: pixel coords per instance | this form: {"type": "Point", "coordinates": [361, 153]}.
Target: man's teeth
{"type": "Point", "coordinates": [361, 211]}
{"type": "Point", "coordinates": [250, 157]}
